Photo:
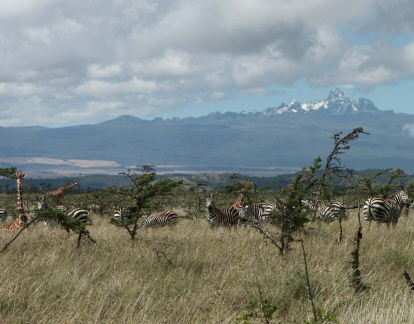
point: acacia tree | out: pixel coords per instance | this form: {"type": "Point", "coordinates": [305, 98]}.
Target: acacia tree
{"type": "Point", "coordinates": [333, 167]}
{"type": "Point", "coordinates": [369, 187]}
{"type": "Point", "coordinates": [145, 189]}
{"type": "Point", "coordinates": [252, 194]}
{"type": "Point", "coordinates": [107, 198]}
{"type": "Point", "coordinates": [8, 172]}
{"type": "Point", "coordinates": [291, 215]}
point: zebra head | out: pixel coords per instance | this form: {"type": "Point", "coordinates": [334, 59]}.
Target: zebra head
{"type": "Point", "coordinates": [211, 210]}
{"type": "Point", "coordinates": [42, 204]}
{"type": "Point", "coordinates": [210, 202]}
{"type": "Point", "coordinates": [401, 198]}
{"type": "Point", "coordinates": [243, 212]}
{"type": "Point", "coordinates": [308, 203]}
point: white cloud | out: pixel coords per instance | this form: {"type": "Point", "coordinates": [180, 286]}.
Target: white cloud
{"type": "Point", "coordinates": [110, 89]}
{"type": "Point", "coordinates": [409, 128]}
{"type": "Point", "coordinates": [14, 8]}
{"type": "Point", "coordinates": [159, 54]}
{"type": "Point", "coordinates": [173, 63]}
{"type": "Point", "coordinates": [40, 34]}
{"type": "Point", "coordinates": [217, 95]}
{"type": "Point", "coordinates": [96, 71]}
{"type": "Point", "coordinates": [18, 90]}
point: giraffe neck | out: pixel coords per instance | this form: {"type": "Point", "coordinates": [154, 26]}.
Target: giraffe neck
{"type": "Point", "coordinates": [238, 201]}
{"type": "Point", "coordinates": [69, 187]}
{"type": "Point", "coordinates": [20, 206]}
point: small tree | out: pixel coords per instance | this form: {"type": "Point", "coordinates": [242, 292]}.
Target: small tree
{"type": "Point", "coordinates": [8, 172]}
{"type": "Point", "coordinates": [368, 186]}
{"type": "Point", "coordinates": [290, 215]}
{"type": "Point", "coordinates": [249, 189]}
{"type": "Point", "coordinates": [71, 225]}
{"type": "Point", "coordinates": [333, 167]}
{"type": "Point", "coordinates": [105, 198]}
{"type": "Point", "coordinates": [143, 193]}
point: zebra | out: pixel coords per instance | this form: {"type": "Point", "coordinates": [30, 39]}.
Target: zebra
{"type": "Point", "coordinates": [385, 210]}
{"type": "Point", "coordinates": [160, 219]}
{"type": "Point", "coordinates": [328, 211]}
{"type": "Point", "coordinates": [257, 213]}
{"type": "Point", "coordinates": [227, 216]}
{"type": "Point", "coordinates": [82, 215]}
{"type": "Point", "coordinates": [118, 214]}
{"type": "Point", "coordinates": [3, 214]}
{"type": "Point", "coordinates": [123, 213]}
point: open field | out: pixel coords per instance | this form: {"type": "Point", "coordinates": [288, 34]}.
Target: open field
{"type": "Point", "coordinates": [191, 273]}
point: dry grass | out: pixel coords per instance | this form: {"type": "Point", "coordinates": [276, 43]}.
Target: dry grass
{"type": "Point", "coordinates": [190, 273]}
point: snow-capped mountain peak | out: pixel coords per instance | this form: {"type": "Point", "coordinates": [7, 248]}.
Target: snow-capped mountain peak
{"type": "Point", "coordinates": [335, 103]}
{"type": "Point", "coordinates": [336, 95]}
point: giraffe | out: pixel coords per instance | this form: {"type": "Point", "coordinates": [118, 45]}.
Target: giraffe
{"type": "Point", "coordinates": [58, 194]}
{"type": "Point", "coordinates": [21, 221]}
{"type": "Point", "coordinates": [239, 202]}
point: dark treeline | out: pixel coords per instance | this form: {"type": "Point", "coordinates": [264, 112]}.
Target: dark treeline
{"type": "Point", "coordinates": [210, 181]}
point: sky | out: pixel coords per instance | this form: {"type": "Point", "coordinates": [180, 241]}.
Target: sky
{"type": "Point", "coordinates": [76, 62]}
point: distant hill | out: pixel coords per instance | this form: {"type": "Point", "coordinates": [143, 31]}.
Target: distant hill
{"type": "Point", "coordinates": [273, 141]}
{"type": "Point", "coordinates": [210, 180]}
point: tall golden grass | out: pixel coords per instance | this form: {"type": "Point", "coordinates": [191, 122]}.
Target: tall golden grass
{"type": "Point", "coordinates": [190, 273]}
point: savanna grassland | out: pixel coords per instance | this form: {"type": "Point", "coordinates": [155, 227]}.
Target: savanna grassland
{"type": "Point", "coordinates": [191, 273]}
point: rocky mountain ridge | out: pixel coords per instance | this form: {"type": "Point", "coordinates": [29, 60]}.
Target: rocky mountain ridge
{"type": "Point", "coordinates": [274, 140]}
{"type": "Point", "coordinates": [335, 104]}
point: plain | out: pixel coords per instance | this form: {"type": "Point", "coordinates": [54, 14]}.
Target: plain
{"type": "Point", "coordinates": [191, 273]}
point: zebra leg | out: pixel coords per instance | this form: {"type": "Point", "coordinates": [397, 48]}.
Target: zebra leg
{"type": "Point", "coordinates": [368, 218]}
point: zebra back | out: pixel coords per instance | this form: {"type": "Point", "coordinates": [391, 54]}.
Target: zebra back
{"type": "Point", "coordinates": [258, 213]}
{"type": "Point", "coordinates": [386, 211]}
{"type": "Point", "coordinates": [160, 219]}
{"type": "Point", "coordinates": [49, 222]}
{"type": "Point", "coordinates": [82, 215]}
{"type": "Point", "coordinates": [123, 213]}
{"type": "Point", "coordinates": [327, 210]}
{"type": "Point", "coordinates": [118, 214]}
{"type": "Point", "coordinates": [227, 216]}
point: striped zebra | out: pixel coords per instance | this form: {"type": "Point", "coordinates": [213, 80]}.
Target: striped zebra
{"type": "Point", "coordinates": [3, 214]}
{"type": "Point", "coordinates": [123, 213]}
{"type": "Point", "coordinates": [160, 219]}
{"type": "Point", "coordinates": [328, 211]}
{"type": "Point", "coordinates": [386, 211]}
{"type": "Point", "coordinates": [227, 216]}
{"type": "Point", "coordinates": [257, 213]}
{"type": "Point", "coordinates": [82, 215]}
{"type": "Point", "coordinates": [119, 214]}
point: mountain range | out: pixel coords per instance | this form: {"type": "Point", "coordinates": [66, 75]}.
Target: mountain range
{"type": "Point", "coordinates": [272, 141]}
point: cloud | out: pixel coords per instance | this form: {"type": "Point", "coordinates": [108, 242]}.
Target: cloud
{"type": "Point", "coordinates": [97, 71]}
{"type": "Point", "coordinates": [160, 55]}
{"type": "Point", "coordinates": [409, 129]}
{"type": "Point", "coordinates": [18, 90]}
{"type": "Point", "coordinates": [110, 89]}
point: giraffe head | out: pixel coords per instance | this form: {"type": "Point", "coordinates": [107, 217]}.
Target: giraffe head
{"type": "Point", "coordinates": [20, 177]}
{"type": "Point", "coordinates": [239, 201]}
